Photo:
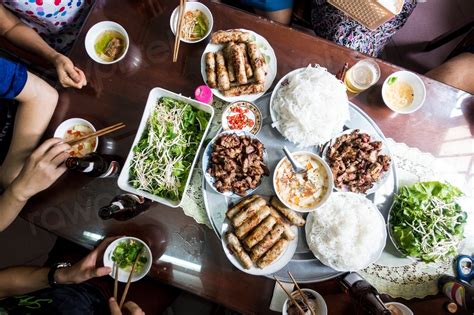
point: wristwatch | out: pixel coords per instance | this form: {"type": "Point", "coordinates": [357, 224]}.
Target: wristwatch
{"type": "Point", "coordinates": [52, 271]}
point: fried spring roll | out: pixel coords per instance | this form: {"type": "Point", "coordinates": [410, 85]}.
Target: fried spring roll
{"type": "Point", "coordinates": [222, 75]}
{"type": "Point", "coordinates": [252, 222]}
{"type": "Point", "coordinates": [291, 215]}
{"type": "Point", "coordinates": [248, 68]}
{"type": "Point", "coordinates": [253, 88]}
{"type": "Point", "coordinates": [259, 232]}
{"type": "Point", "coordinates": [273, 253]}
{"type": "Point", "coordinates": [239, 206]}
{"type": "Point", "coordinates": [289, 234]}
{"type": "Point", "coordinates": [222, 37]}
{"type": "Point", "coordinates": [236, 248]}
{"type": "Point", "coordinates": [238, 61]}
{"type": "Point", "coordinates": [250, 210]}
{"type": "Point", "coordinates": [268, 241]}
{"type": "Point", "coordinates": [257, 61]}
{"type": "Point", "coordinates": [211, 70]}
{"type": "Point", "coordinates": [229, 63]}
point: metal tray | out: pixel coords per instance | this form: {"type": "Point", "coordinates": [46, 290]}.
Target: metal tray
{"type": "Point", "coordinates": [304, 266]}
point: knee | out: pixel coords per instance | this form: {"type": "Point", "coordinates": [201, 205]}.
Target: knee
{"type": "Point", "coordinates": [48, 95]}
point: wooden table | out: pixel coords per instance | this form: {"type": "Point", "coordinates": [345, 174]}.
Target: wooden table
{"type": "Point", "coordinates": [191, 255]}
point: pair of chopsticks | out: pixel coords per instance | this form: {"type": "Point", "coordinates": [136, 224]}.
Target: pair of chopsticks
{"type": "Point", "coordinates": [99, 133]}
{"type": "Point", "coordinates": [129, 281]}
{"type": "Point", "coordinates": [179, 26]}
{"type": "Point", "coordinates": [301, 293]}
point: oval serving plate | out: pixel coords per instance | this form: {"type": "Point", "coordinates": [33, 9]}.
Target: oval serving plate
{"type": "Point", "coordinates": [271, 69]}
{"type": "Point", "coordinates": [385, 151]}
{"type": "Point", "coordinates": [275, 266]}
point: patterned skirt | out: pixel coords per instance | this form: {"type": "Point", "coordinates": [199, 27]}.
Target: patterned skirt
{"type": "Point", "coordinates": [332, 24]}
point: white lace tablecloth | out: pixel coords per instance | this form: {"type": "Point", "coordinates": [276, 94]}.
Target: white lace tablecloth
{"type": "Point", "coordinates": [396, 277]}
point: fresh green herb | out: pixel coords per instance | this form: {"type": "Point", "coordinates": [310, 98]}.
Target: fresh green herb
{"type": "Point", "coordinates": [392, 80]}
{"type": "Point", "coordinates": [126, 253]}
{"type": "Point", "coordinates": [426, 222]}
{"type": "Point", "coordinates": [163, 156]}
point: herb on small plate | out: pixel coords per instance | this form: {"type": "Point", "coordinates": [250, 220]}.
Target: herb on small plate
{"type": "Point", "coordinates": [426, 222]}
{"type": "Point", "coordinates": [126, 253]}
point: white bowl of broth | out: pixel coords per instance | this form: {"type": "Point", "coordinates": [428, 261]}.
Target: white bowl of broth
{"type": "Point", "coordinates": [197, 23]}
{"type": "Point", "coordinates": [403, 92]}
{"type": "Point", "coordinates": [75, 128]}
{"type": "Point", "coordinates": [107, 42]}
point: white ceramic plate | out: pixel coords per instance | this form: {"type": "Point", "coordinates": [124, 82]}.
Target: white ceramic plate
{"type": "Point", "coordinates": [71, 122]}
{"type": "Point", "coordinates": [189, 7]}
{"type": "Point", "coordinates": [123, 274]}
{"type": "Point", "coordinates": [385, 151]}
{"type": "Point", "coordinates": [206, 161]}
{"type": "Point", "coordinates": [270, 60]}
{"type": "Point", "coordinates": [273, 114]}
{"type": "Point", "coordinates": [155, 94]}
{"type": "Point", "coordinates": [278, 264]}
{"type": "Point", "coordinates": [98, 29]}
{"type": "Point", "coordinates": [381, 242]}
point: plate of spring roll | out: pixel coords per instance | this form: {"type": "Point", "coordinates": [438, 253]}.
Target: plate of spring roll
{"type": "Point", "coordinates": [260, 235]}
{"type": "Point", "coordinates": [238, 64]}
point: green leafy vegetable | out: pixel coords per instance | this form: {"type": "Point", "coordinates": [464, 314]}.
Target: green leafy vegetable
{"type": "Point", "coordinates": [126, 253]}
{"type": "Point", "coordinates": [426, 222]}
{"type": "Point", "coordinates": [163, 156]}
{"type": "Point", "coordinates": [392, 80]}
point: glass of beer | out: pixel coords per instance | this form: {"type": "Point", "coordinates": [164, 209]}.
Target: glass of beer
{"type": "Point", "coordinates": [361, 76]}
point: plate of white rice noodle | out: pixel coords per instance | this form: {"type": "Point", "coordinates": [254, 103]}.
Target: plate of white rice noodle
{"type": "Point", "coordinates": [309, 106]}
{"type": "Point", "coordinates": [348, 233]}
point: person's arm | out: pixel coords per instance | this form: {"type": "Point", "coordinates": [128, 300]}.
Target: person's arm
{"type": "Point", "coordinates": [23, 280]}
{"type": "Point", "coordinates": [43, 167]}
{"type": "Point", "coordinates": [26, 38]}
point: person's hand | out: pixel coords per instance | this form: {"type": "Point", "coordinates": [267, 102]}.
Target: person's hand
{"type": "Point", "coordinates": [129, 308]}
{"type": "Point", "coordinates": [42, 168]}
{"type": "Point", "coordinates": [86, 268]}
{"type": "Point", "coordinates": [68, 74]}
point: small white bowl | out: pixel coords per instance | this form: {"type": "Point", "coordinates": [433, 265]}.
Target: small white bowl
{"type": "Point", "coordinates": [71, 122]}
{"type": "Point", "coordinates": [123, 274]}
{"type": "Point", "coordinates": [419, 91]}
{"type": "Point", "coordinates": [192, 6]}
{"type": "Point", "coordinates": [95, 31]}
{"type": "Point", "coordinates": [405, 310]}
{"type": "Point", "coordinates": [330, 181]}
{"type": "Point", "coordinates": [322, 307]}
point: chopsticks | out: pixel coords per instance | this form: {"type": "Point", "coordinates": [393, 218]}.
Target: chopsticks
{"type": "Point", "coordinates": [115, 280]}
{"type": "Point", "coordinates": [303, 295]}
{"type": "Point", "coordinates": [289, 295]}
{"type": "Point", "coordinates": [99, 133]}
{"type": "Point", "coordinates": [179, 26]}
{"type": "Point", "coordinates": [125, 292]}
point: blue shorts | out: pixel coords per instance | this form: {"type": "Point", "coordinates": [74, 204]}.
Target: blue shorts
{"type": "Point", "coordinates": [13, 78]}
{"type": "Point", "coordinates": [269, 5]}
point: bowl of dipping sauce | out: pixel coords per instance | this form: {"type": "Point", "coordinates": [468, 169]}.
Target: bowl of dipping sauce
{"type": "Point", "coordinates": [403, 92]}
{"type": "Point", "coordinates": [315, 302]}
{"type": "Point", "coordinates": [197, 22]}
{"type": "Point", "coordinates": [242, 115]}
{"type": "Point", "coordinates": [107, 42]}
{"type": "Point", "coordinates": [303, 193]}
{"type": "Point", "coordinates": [73, 129]}
{"type": "Point", "coordinates": [398, 308]}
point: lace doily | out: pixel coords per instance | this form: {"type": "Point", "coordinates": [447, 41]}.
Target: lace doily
{"type": "Point", "coordinates": [414, 280]}
{"type": "Point", "coordinates": [417, 280]}
{"type": "Point", "coordinates": [193, 203]}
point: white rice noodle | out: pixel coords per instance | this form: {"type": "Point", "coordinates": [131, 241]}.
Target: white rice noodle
{"type": "Point", "coordinates": [312, 108]}
{"type": "Point", "coordinates": [347, 233]}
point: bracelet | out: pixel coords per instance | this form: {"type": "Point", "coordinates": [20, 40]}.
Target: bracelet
{"type": "Point", "coordinates": [52, 282]}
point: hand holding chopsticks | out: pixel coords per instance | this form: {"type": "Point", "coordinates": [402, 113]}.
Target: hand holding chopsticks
{"type": "Point", "coordinates": [179, 26]}
{"type": "Point", "coordinates": [99, 133]}
{"type": "Point", "coordinates": [125, 292]}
